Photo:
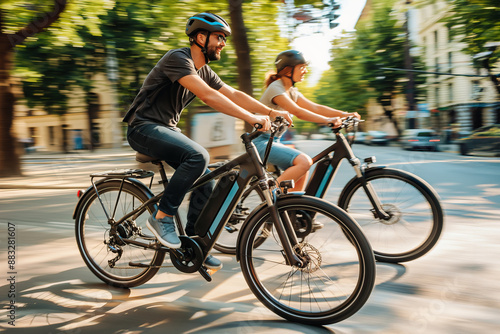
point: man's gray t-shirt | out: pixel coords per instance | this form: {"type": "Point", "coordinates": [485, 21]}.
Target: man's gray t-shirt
{"type": "Point", "coordinates": [161, 98]}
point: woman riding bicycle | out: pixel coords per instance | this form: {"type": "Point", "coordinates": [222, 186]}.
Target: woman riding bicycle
{"type": "Point", "coordinates": [281, 94]}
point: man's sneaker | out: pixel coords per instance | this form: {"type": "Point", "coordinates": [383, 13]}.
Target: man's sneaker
{"type": "Point", "coordinates": [212, 263]}
{"type": "Point", "coordinates": [164, 231]}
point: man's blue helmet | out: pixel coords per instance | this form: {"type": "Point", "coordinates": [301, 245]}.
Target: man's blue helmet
{"type": "Point", "coordinates": [207, 21]}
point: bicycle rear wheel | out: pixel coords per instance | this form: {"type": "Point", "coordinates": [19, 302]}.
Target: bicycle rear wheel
{"type": "Point", "coordinates": [416, 216]}
{"type": "Point", "coordinates": [339, 276]}
{"type": "Point", "coordinates": [111, 259]}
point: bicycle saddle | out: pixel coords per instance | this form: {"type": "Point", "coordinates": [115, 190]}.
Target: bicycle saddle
{"type": "Point", "coordinates": [145, 158]}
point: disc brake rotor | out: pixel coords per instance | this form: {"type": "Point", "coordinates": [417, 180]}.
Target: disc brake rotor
{"type": "Point", "coordinates": [394, 213]}
{"type": "Point", "coordinates": [310, 254]}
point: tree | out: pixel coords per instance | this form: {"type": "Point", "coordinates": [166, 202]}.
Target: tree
{"type": "Point", "coordinates": [476, 24]}
{"type": "Point", "coordinates": [343, 86]}
{"type": "Point", "coordinates": [357, 69]}
{"type": "Point", "coordinates": [9, 160]}
{"type": "Point", "coordinates": [139, 32]}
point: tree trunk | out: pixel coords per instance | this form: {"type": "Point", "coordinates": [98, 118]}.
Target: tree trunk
{"type": "Point", "coordinates": [242, 48]}
{"type": "Point", "coordinates": [9, 160]}
{"type": "Point", "coordinates": [388, 111]}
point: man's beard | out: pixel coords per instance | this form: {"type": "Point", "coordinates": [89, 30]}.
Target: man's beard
{"type": "Point", "coordinates": [212, 54]}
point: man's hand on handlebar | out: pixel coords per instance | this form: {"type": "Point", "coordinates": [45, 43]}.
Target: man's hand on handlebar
{"type": "Point", "coordinates": [334, 122]}
{"type": "Point", "coordinates": [263, 121]}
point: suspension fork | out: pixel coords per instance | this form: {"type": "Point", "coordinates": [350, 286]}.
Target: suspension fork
{"type": "Point", "coordinates": [283, 226]}
{"type": "Point", "coordinates": [370, 191]}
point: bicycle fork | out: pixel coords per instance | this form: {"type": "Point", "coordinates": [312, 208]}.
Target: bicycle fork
{"type": "Point", "coordinates": [283, 227]}
{"type": "Point", "coordinates": [378, 211]}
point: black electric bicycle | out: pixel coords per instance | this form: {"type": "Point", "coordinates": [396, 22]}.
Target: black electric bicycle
{"type": "Point", "coordinates": [399, 212]}
{"type": "Point", "coordinates": [321, 279]}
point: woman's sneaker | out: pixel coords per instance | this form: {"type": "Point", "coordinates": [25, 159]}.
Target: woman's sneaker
{"type": "Point", "coordinates": [212, 263]}
{"type": "Point", "coordinates": [164, 231]}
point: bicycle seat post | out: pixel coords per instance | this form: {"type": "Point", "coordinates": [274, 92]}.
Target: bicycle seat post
{"type": "Point", "coordinates": [163, 173]}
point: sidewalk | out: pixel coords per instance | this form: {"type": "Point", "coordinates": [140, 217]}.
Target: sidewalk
{"type": "Point", "coordinates": [43, 170]}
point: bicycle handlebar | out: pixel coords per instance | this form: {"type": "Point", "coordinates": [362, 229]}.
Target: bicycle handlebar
{"type": "Point", "coordinates": [350, 120]}
{"type": "Point", "coordinates": [278, 125]}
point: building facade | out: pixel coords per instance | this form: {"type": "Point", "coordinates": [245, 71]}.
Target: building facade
{"type": "Point", "coordinates": [37, 130]}
{"type": "Point", "coordinates": [460, 96]}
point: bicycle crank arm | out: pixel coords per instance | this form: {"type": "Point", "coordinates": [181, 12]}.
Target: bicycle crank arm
{"type": "Point", "coordinates": [205, 274]}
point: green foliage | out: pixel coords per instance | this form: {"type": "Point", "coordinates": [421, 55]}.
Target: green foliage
{"type": "Point", "coordinates": [70, 52]}
{"type": "Point", "coordinates": [343, 86]}
{"type": "Point", "coordinates": [357, 73]}
{"type": "Point", "coordinates": [475, 22]}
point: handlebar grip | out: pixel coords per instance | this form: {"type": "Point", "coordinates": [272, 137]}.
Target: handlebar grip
{"type": "Point", "coordinates": [257, 126]}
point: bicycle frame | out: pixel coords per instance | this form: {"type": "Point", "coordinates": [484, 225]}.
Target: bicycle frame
{"type": "Point", "coordinates": [328, 166]}
{"type": "Point", "coordinates": [249, 166]}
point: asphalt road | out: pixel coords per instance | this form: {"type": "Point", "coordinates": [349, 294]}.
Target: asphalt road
{"type": "Point", "coordinates": [453, 289]}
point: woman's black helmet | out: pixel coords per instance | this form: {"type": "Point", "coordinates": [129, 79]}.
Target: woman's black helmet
{"type": "Point", "coordinates": [207, 21]}
{"type": "Point", "coordinates": [289, 58]}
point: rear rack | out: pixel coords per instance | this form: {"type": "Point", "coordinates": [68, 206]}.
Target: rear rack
{"type": "Point", "coordinates": [135, 173]}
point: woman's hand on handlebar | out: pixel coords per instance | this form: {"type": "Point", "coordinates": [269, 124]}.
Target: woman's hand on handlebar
{"type": "Point", "coordinates": [353, 114]}
{"type": "Point", "coordinates": [285, 114]}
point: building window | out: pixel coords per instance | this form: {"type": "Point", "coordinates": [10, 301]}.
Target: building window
{"type": "Point", "coordinates": [436, 61]}
{"type": "Point", "coordinates": [450, 62]}
{"type": "Point", "coordinates": [32, 134]}
{"type": "Point", "coordinates": [450, 93]}
{"type": "Point", "coordinates": [436, 41]}
{"type": "Point", "coordinates": [476, 90]}
{"type": "Point", "coordinates": [436, 96]}
{"type": "Point", "coordinates": [52, 137]}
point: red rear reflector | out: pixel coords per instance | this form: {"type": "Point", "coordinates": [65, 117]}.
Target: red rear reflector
{"type": "Point", "coordinates": [412, 139]}
{"type": "Point", "coordinates": [435, 140]}
{"type": "Point", "coordinates": [79, 193]}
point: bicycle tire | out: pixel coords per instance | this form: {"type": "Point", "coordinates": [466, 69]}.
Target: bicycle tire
{"type": "Point", "coordinates": [251, 198]}
{"type": "Point", "coordinates": [93, 232]}
{"type": "Point", "coordinates": [338, 280]}
{"type": "Point", "coordinates": [416, 219]}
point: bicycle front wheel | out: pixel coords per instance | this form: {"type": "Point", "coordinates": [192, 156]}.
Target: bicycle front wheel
{"type": "Point", "coordinates": [108, 256]}
{"type": "Point", "coordinates": [340, 271]}
{"type": "Point", "coordinates": [416, 216]}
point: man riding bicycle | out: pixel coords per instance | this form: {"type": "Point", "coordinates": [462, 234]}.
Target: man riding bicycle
{"type": "Point", "coordinates": [178, 77]}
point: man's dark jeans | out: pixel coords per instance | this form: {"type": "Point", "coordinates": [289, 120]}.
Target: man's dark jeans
{"type": "Point", "coordinates": [188, 158]}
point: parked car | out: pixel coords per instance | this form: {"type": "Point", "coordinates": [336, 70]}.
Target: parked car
{"type": "Point", "coordinates": [420, 139]}
{"type": "Point", "coordinates": [484, 139]}
{"type": "Point", "coordinates": [376, 138]}
{"type": "Point", "coordinates": [288, 139]}
{"type": "Point", "coordinates": [359, 137]}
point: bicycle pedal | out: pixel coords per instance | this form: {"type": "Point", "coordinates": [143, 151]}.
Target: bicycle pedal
{"type": "Point", "coordinates": [211, 271]}
{"type": "Point", "coordinates": [205, 273]}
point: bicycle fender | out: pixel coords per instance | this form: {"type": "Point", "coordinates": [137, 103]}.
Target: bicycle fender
{"type": "Point", "coordinates": [258, 209]}
{"type": "Point", "coordinates": [88, 191]}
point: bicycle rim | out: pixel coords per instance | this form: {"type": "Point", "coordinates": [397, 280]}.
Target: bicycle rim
{"type": "Point", "coordinates": [416, 215]}
{"type": "Point", "coordinates": [135, 265]}
{"type": "Point", "coordinates": [336, 283]}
